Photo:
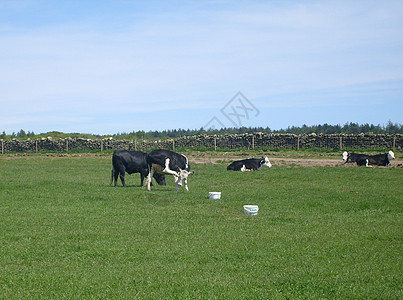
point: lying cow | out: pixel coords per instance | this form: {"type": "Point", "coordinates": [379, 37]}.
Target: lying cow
{"type": "Point", "coordinates": [124, 161]}
{"type": "Point", "coordinates": [250, 164]}
{"type": "Point", "coordinates": [351, 157]}
{"type": "Point", "coordinates": [377, 160]}
{"type": "Point", "coordinates": [170, 163]}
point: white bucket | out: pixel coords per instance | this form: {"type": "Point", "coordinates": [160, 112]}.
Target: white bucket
{"type": "Point", "coordinates": [251, 209]}
{"type": "Point", "coordinates": [214, 195]}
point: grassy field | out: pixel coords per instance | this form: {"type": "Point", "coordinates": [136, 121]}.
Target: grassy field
{"type": "Point", "coordinates": [323, 232]}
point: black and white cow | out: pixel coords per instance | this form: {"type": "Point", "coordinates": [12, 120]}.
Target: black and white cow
{"type": "Point", "coordinates": [170, 163]}
{"type": "Point", "coordinates": [377, 160]}
{"type": "Point", "coordinates": [250, 164]}
{"type": "Point", "coordinates": [124, 161]}
{"type": "Point", "coordinates": [351, 157]}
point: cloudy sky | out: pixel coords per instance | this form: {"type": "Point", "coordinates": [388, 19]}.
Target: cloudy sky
{"type": "Point", "coordinates": [105, 67]}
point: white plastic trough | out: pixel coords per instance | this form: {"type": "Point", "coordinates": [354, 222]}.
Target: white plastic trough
{"type": "Point", "coordinates": [251, 209]}
{"type": "Point", "coordinates": [214, 195]}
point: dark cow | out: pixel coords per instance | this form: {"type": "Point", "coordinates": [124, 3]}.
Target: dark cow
{"type": "Point", "coordinates": [377, 160]}
{"type": "Point", "coordinates": [351, 157]}
{"type": "Point", "coordinates": [171, 163]}
{"type": "Point", "coordinates": [249, 164]}
{"type": "Point", "coordinates": [125, 161]}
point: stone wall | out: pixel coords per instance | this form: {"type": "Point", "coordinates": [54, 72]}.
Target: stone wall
{"type": "Point", "coordinates": [235, 141]}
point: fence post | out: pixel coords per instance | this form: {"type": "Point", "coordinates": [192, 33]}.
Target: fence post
{"type": "Point", "coordinates": [102, 146]}
{"type": "Point", "coordinates": [173, 144]}
{"type": "Point", "coordinates": [253, 141]}
{"type": "Point", "coordinates": [341, 143]}
{"type": "Point", "coordinates": [2, 147]}
{"type": "Point", "coordinates": [298, 143]}
{"type": "Point", "coordinates": [36, 146]}
{"type": "Point", "coordinates": [135, 144]}
{"type": "Point", "coordinates": [67, 145]}
{"type": "Point", "coordinates": [394, 143]}
{"type": "Point", "coordinates": [215, 144]}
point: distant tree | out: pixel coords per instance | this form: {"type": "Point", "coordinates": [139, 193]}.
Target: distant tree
{"type": "Point", "coordinates": [21, 134]}
{"type": "Point", "coordinates": [393, 128]}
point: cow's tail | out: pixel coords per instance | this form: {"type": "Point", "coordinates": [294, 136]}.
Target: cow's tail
{"type": "Point", "coordinates": [113, 175]}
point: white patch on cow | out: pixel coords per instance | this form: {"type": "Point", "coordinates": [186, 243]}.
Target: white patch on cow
{"type": "Point", "coordinates": [391, 155]}
{"type": "Point", "coordinates": [245, 169]}
{"type": "Point", "coordinates": [345, 155]}
{"type": "Point", "coordinates": [187, 162]}
{"type": "Point", "coordinates": [167, 170]}
{"type": "Point", "coordinates": [367, 164]}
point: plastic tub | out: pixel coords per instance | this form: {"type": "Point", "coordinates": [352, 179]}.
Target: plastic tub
{"type": "Point", "coordinates": [214, 195]}
{"type": "Point", "coordinates": [251, 209]}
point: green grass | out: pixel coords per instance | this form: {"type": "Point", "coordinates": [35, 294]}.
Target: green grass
{"type": "Point", "coordinates": [325, 232]}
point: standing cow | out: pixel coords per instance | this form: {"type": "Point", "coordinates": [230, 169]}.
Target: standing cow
{"type": "Point", "coordinates": [125, 161]}
{"type": "Point", "coordinates": [250, 164]}
{"type": "Point", "coordinates": [170, 163]}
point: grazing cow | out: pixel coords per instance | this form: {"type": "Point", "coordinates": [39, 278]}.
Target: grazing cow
{"type": "Point", "coordinates": [351, 157]}
{"type": "Point", "coordinates": [377, 160]}
{"type": "Point", "coordinates": [249, 164]}
{"type": "Point", "coordinates": [125, 161]}
{"type": "Point", "coordinates": [170, 163]}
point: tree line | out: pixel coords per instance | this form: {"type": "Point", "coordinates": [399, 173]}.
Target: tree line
{"type": "Point", "coordinates": [348, 128]}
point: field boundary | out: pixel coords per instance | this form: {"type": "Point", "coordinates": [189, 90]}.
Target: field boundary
{"type": "Point", "coordinates": [211, 142]}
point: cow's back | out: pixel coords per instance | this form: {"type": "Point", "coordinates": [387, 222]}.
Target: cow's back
{"type": "Point", "coordinates": [379, 159]}
{"type": "Point", "coordinates": [176, 160]}
{"type": "Point", "coordinates": [133, 161]}
{"type": "Point", "coordinates": [232, 166]}
{"type": "Point", "coordinates": [236, 165]}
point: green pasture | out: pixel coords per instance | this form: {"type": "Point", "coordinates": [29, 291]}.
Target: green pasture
{"type": "Point", "coordinates": [323, 232]}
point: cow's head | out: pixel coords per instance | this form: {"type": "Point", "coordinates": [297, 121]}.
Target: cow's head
{"type": "Point", "coordinates": [183, 174]}
{"type": "Point", "coordinates": [345, 156]}
{"type": "Point", "coordinates": [391, 155]}
{"type": "Point", "coordinates": [265, 162]}
{"type": "Point", "coordinates": [160, 178]}
{"type": "Point", "coordinates": [182, 178]}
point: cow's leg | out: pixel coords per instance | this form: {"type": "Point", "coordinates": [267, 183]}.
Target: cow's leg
{"type": "Point", "coordinates": [114, 177]}
{"type": "Point", "coordinates": [186, 184]}
{"type": "Point", "coordinates": [122, 178]}
{"type": "Point", "coordinates": [141, 178]}
{"type": "Point", "coordinates": [144, 174]}
{"type": "Point", "coordinates": [177, 179]}
{"type": "Point", "coordinates": [149, 177]}
{"type": "Point", "coordinates": [121, 173]}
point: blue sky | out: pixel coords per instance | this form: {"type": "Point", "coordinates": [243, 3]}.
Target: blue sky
{"type": "Point", "coordinates": [105, 67]}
